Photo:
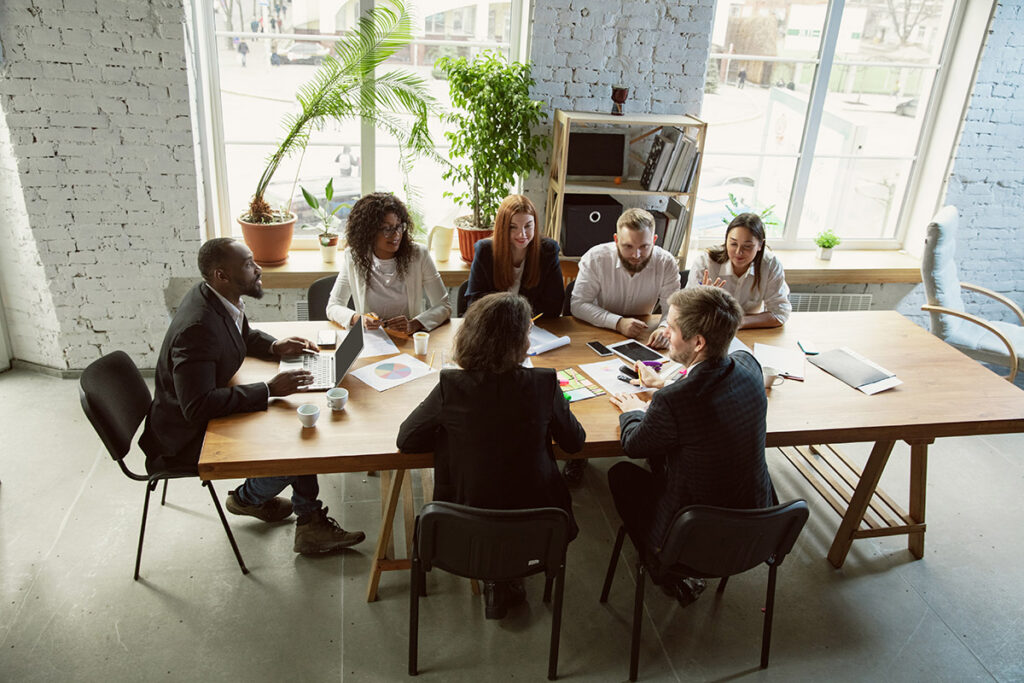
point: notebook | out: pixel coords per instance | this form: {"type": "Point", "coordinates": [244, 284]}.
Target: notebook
{"type": "Point", "coordinates": [328, 368]}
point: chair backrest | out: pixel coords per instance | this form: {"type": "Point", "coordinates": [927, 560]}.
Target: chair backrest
{"type": "Point", "coordinates": [460, 300]}
{"type": "Point", "coordinates": [116, 400]}
{"type": "Point", "coordinates": [567, 304]}
{"type": "Point", "coordinates": [684, 275]}
{"type": "Point", "coordinates": [938, 270]}
{"type": "Point", "coordinates": [493, 545]}
{"type": "Point", "coordinates": [318, 295]}
{"type": "Point", "coordinates": [712, 541]}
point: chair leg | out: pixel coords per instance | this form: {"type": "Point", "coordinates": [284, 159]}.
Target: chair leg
{"type": "Point", "coordinates": [556, 624]}
{"type": "Point", "coordinates": [547, 588]}
{"type": "Point", "coordinates": [769, 608]}
{"type": "Point", "coordinates": [150, 485]}
{"type": "Point", "coordinates": [163, 496]}
{"type": "Point", "coordinates": [610, 574]}
{"type": "Point", "coordinates": [414, 613]}
{"type": "Point", "coordinates": [227, 529]}
{"type": "Point", "coordinates": [721, 584]}
{"type": "Point", "coordinates": [638, 611]}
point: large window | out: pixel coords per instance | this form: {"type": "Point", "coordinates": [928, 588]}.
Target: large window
{"type": "Point", "coordinates": [819, 111]}
{"type": "Point", "coordinates": [263, 52]}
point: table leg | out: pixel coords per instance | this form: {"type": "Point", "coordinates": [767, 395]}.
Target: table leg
{"type": "Point", "coordinates": [918, 476]}
{"type": "Point", "coordinates": [386, 527]}
{"type": "Point", "coordinates": [859, 502]}
{"type": "Point", "coordinates": [409, 509]}
{"type": "Point", "coordinates": [385, 486]}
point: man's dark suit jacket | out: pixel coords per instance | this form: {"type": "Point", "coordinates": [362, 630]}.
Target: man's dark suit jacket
{"type": "Point", "coordinates": [547, 297]}
{"type": "Point", "coordinates": [704, 439]}
{"type": "Point", "coordinates": [201, 352]}
{"type": "Point", "coordinates": [491, 437]}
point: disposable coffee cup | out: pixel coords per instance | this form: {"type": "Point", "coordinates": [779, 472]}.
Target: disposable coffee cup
{"type": "Point", "coordinates": [337, 398]}
{"type": "Point", "coordinates": [308, 413]}
{"type": "Point", "coordinates": [419, 341]}
{"type": "Point", "coordinates": [771, 377]}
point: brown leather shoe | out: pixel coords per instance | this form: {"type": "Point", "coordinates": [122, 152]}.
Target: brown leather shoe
{"type": "Point", "coordinates": [322, 534]}
{"type": "Point", "coordinates": [273, 510]}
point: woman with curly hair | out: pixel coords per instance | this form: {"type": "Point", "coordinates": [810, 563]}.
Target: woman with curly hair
{"type": "Point", "coordinates": [490, 425]}
{"type": "Point", "coordinates": [517, 260]}
{"type": "Point", "coordinates": [386, 273]}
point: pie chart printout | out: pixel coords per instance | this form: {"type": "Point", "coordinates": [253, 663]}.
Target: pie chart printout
{"type": "Point", "coordinates": [392, 371]}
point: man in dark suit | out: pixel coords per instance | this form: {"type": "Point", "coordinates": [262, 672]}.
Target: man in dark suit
{"type": "Point", "coordinates": [703, 436]}
{"type": "Point", "coordinates": [205, 345]}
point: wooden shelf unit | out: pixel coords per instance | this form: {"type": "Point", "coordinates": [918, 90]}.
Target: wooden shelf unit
{"type": "Point", "coordinates": [558, 185]}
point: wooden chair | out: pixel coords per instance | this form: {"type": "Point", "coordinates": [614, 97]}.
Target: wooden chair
{"type": "Point", "coordinates": [989, 341]}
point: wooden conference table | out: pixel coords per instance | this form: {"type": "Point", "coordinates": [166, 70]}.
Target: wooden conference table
{"type": "Point", "coordinates": [944, 393]}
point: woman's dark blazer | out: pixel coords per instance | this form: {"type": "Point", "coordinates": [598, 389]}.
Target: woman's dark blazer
{"type": "Point", "coordinates": [491, 437]}
{"type": "Point", "coordinates": [546, 297]}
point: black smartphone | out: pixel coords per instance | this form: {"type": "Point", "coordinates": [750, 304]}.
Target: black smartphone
{"type": "Point", "coordinates": [628, 371]}
{"type": "Point", "coordinates": [599, 348]}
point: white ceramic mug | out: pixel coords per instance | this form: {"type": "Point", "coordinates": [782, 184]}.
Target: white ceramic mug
{"type": "Point", "coordinates": [337, 398]}
{"type": "Point", "coordinates": [444, 241]}
{"type": "Point", "coordinates": [308, 413]}
{"type": "Point", "coordinates": [419, 342]}
{"type": "Point", "coordinates": [771, 377]}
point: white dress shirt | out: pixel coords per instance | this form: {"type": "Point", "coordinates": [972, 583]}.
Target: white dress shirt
{"type": "Point", "coordinates": [237, 314]}
{"type": "Point", "coordinates": [772, 295]}
{"type": "Point", "coordinates": [605, 292]}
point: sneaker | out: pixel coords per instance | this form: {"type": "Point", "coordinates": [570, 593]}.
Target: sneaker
{"type": "Point", "coordinates": [274, 510]}
{"type": "Point", "coordinates": [322, 534]}
{"type": "Point", "coordinates": [573, 471]}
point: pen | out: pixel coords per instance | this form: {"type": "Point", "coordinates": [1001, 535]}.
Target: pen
{"type": "Point", "coordinates": [793, 377]}
{"type": "Point", "coordinates": [431, 362]}
{"type": "Point", "coordinates": [310, 351]}
{"type": "Point", "coordinates": [534, 318]}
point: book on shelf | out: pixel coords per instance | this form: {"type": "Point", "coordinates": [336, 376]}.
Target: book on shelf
{"type": "Point", "coordinates": [676, 136]}
{"type": "Point", "coordinates": [667, 145]}
{"type": "Point", "coordinates": [692, 173]}
{"type": "Point", "coordinates": [674, 179]}
{"type": "Point", "coordinates": [677, 214]}
{"type": "Point", "coordinates": [652, 161]}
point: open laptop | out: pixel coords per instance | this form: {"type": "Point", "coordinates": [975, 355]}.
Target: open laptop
{"type": "Point", "coordinates": [328, 369]}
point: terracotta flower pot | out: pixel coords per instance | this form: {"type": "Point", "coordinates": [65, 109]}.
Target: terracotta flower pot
{"type": "Point", "coordinates": [468, 237]}
{"type": "Point", "coordinates": [269, 241]}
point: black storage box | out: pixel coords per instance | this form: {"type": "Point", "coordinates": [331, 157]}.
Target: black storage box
{"type": "Point", "coordinates": [589, 219]}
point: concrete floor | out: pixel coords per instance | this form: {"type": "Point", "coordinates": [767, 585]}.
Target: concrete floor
{"type": "Point", "coordinates": [69, 610]}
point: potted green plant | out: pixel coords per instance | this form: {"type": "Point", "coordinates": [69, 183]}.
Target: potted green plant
{"type": "Point", "coordinates": [329, 223]}
{"type": "Point", "coordinates": [493, 143]}
{"type": "Point", "coordinates": [826, 240]}
{"type": "Point", "coordinates": [345, 87]}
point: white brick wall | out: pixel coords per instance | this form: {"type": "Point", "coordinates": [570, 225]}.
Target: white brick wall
{"type": "Point", "coordinates": [98, 184]}
{"type": "Point", "coordinates": [987, 184]}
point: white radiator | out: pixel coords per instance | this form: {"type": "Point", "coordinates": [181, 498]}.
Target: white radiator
{"type": "Point", "coordinates": [302, 310]}
{"type": "Point", "coordinates": [804, 302]}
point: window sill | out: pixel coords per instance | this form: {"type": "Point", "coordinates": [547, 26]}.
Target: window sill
{"type": "Point", "coordinates": [848, 266]}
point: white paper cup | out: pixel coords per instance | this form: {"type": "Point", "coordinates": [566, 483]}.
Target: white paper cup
{"type": "Point", "coordinates": [771, 377]}
{"type": "Point", "coordinates": [308, 413]}
{"type": "Point", "coordinates": [419, 341]}
{"type": "Point", "coordinates": [337, 398]}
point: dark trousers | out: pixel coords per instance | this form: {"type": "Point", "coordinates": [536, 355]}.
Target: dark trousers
{"type": "Point", "coordinates": [634, 490]}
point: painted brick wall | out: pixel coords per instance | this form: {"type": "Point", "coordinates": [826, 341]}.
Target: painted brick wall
{"type": "Point", "coordinates": [987, 183]}
{"type": "Point", "coordinates": [98, 180]}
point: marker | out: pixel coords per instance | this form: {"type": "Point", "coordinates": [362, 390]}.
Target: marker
{"type": "Point", "coordinates": [656, 364]}
{"type": "Point", "coordinates": [534, 318]}
{"type": "Point", "coordinates": [431, 361]}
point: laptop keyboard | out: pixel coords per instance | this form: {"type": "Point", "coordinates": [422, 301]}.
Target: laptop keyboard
{"type": "Point", "coordinates": [322, 368]}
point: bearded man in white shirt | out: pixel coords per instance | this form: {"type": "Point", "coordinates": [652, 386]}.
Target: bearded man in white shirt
{"type": "Point", "coordinates": [620, 281]}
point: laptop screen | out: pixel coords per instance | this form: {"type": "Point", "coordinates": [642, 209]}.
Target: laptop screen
{"type": "Point", "coordinates": [348, 351]}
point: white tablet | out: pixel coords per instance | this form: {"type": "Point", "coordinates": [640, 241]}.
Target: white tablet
{"type": "Point", "coordinates": [631, 350]}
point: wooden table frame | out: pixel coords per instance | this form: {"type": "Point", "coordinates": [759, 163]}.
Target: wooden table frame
{"type": "Point", "coordinates": [944, 394]}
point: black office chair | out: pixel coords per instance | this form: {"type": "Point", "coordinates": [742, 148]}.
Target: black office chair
{"type": "Point", "coordinates": [116, 400]}
{"type": "Point", "coordinates": [713, 542]}
{"type": "Point", "coordinates": [684, 275]}
{"type": "Point", "coordinates": [461, 301]}
{"type": "Point", "coordinates": [491, 545]}
{"type": "Point", "coordinates": [317, 296]}
{"type": "Point", "coordinates": [567, 304]}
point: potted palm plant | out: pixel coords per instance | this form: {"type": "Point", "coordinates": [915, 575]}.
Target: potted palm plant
{"type": "Point", "coordinates": [345, 87]}
{"type": "Point", "coordinates": [329, 223]}
{"type": "Point", "coordinates": [493, 143]}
